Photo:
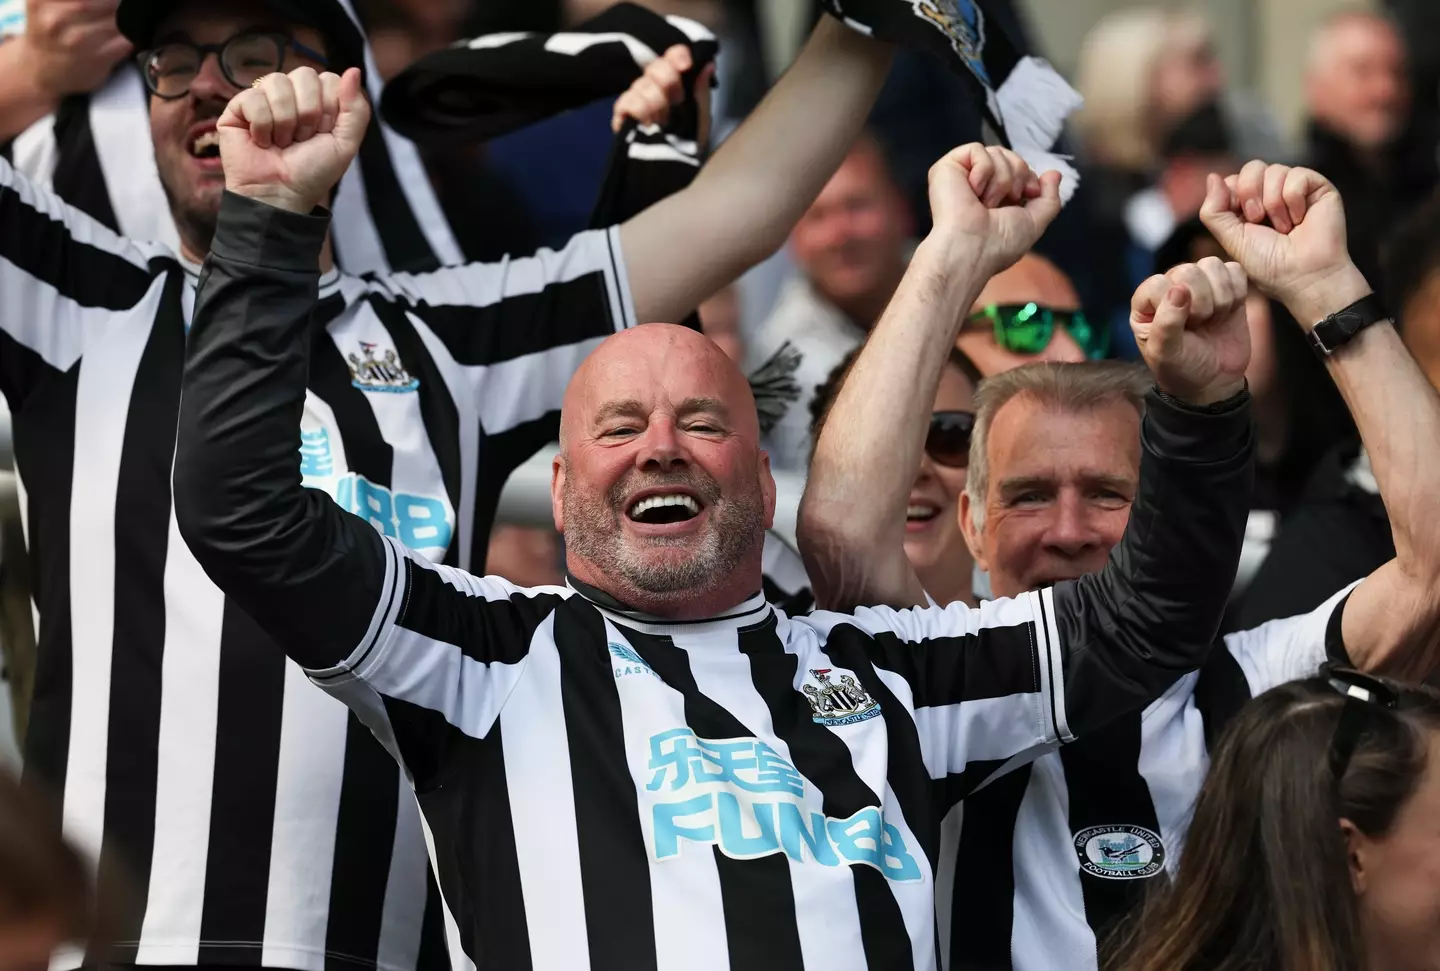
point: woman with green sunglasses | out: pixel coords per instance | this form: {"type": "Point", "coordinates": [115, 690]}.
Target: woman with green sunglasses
{"type": "Point", "coordinates": [1030, 312]}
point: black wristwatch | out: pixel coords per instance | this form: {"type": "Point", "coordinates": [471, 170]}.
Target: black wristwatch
{"type": "Point", "coordinates": [1332, 332]}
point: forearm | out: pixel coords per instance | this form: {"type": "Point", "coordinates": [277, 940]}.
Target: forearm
{"type": "Point", "coordinates": [22, 100]}
{"type": "Point", "coordinates": [852, 516]}
{"type": "Point", "coordinates": [287, 555]}
{"type": "Point", "coordinates": [749, 195]}
{"type": "Point", "coordinates": [1152, 614]}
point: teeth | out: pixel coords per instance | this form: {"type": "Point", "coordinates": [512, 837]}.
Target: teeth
{"type": "Point", "coordinates": [206, 140]}
{"type": "Point", "coordinates": [920, 512]}
{"type": "Point", "coordinates": [654, 502]}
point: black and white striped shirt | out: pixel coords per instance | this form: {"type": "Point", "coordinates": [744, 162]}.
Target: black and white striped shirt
{"type": "Point", "coordinates": [1038, 868]}
{"type": "Point", "coordinates": [257, 821]}
{"type": "Point", "coordinates": [603, 789]}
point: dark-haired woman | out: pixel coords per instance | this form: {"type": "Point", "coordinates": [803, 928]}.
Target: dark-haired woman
{"type": "Point", "coordinates": [1315, 844]}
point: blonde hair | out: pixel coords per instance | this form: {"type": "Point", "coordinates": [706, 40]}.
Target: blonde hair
{"type": "Point", "coordinates": [1067, 387]}
{"type": "Point", "coordinates": [1116, 74]}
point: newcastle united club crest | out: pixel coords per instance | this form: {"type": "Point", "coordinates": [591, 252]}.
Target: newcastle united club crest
{"type": "Point", "coordinates": [384, 373]}
{"type": "Point", "coordinates": [842, 702]}
{"type": "Point", "coordinates": [963, 22]}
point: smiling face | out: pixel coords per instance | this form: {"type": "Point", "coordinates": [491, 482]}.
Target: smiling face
{"type": "Point", "coordinates": [187, 152]}
{"type": "Point", "coordinates": [661, 488]}
{"type": "Point", "coordinates": [1059, 491]}
{"type": "Point", "coordinates": [933, 541]}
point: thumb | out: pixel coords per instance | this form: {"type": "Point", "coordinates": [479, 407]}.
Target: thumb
{"type": "Point", "coordinates": [1046, 206]}
{"type": "Point", "coordinates": [1168, 329]}
{"type": "Point", "coordinates": [354, 115]}
{"type": "Point", "coordinates": [1223, 222]}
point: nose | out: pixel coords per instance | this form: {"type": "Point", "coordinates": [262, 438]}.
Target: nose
{"type": "Point", "coordinates": [1071, 534]}
{"type": "Point", "coordinates": [661, 450]}
{"type": "Point", "coordinates": [1062, 348]}
{"type": "Point", "coordinates": [210, 81]}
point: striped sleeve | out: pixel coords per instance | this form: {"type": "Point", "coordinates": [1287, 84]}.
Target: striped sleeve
{"type": "Point", "coordinates": [441, 654]}
{"type": "Point", "coordinates": [490, 313]}
{"type": "Point", "coordinates": [1287, 649]}
{"type": "Point", "coordinates": [62, 276]}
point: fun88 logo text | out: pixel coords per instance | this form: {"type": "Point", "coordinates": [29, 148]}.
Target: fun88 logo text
{"type": "Point", "coordinates": [419, 522]}
{"type": "Point", "coordinates": [739, 794]}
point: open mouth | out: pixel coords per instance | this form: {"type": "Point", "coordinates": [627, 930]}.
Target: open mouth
{"type": "Point", "coordinates": [206, 145]}
{"type": "Point", "coordinates": [657, 510]}
{"type": "Point", "coordinates": [921, 512]}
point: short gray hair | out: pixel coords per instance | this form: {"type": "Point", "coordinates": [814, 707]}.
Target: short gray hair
{"type": "Point", "coordinates": [1065, 387]}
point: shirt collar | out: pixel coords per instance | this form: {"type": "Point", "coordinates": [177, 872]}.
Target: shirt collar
{"type": "Point", "coordinates": [750, 612]}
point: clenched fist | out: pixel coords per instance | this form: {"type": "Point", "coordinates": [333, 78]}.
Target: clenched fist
{"type": "Point", "coordinates": [288, 140]}
{"type": "Point", "coordinates": [649, 99]}
{"type": "Point", "coordinates": [1191, 329]}
{"type": "Point", "coordinates": [986, 202]}
{"type": "Point", "coordinates": [1286, 227]}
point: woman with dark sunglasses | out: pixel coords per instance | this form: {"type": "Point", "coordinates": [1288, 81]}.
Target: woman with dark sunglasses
{"type": "Point", "coordinates": [1315, 842]}
{"type": "Point", "coordinates": [933, 541]}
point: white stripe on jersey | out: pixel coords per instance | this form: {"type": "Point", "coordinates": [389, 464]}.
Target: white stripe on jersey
{"type": "Point", "coordinates": [403, 917]}
{"type": "Point", "coordinates": [105, 380]}
{"type": "Point", "coordinates": [185, 759]}
{"type": "Point", "coordinates": [533, 736]}
{"type": "Point", "coordinates": [127, 162]}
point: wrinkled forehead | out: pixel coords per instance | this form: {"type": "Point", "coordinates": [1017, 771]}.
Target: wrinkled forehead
{"type": "Point", "coordinates": [653, 377]}
{"type": "Point", "coordinates": [1031, 279]}
{"type": "Point", "coordinates": [1033, 439]}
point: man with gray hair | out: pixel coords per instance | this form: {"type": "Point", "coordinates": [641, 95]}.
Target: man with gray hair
{"type": "Point", "coordinates": [1054, 855]}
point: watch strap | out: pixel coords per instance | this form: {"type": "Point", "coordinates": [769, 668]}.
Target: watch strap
{"type": "Point", "coordinates": [1335, 330]}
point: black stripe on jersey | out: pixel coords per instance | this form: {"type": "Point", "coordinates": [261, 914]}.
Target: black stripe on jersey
{"type": "Point", "coordinates": [44, 440]}
{"type": "Point", "coordinates": [79, 178]}
{"type": "Point", "coordinates": [952, 670]}
{"type": "Point", "coordinates": [613, 856]}
{"type": "Point", "coordinates": [825, 760]}
{"type": "Point", "coordinates": [456, 832]}
{"type": "Point", "coordinates": [1221, 690]}
{"type": "Point", "coordinates": [499, 631]}
{"type": "Point", "coordinates": [366, 451]}
{"type": "Point", "coordinates": [907, 773]}
{"type": "Point", "coordinates": [406, 248]}
{"type": "Point", "coordinates": [433, 954]}
{"type": "Point", "coordinates": [982, 904]}
{"type": "Point", "coordinates": [242, 810]}
{"type": "Point", "coordinates": [499, 922]}
{"type": "Point", "coordinates": [527, 323]}
{"type": "Point", "coordinates": [757, 897]}
{"type": "Point", "coordinates": [141, 548]}
{"type": "Point", "coordinates": [1105, 788]}
{"type": "Point", "coordinates": [364, 834]}
{"type": "Point", "coordinates": [44, 248]}
{"type": "Point", "coordinates": [437, 409]}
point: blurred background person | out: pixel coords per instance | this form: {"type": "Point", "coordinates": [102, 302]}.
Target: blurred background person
{"type": "Point", "coordinates": [46, 898]}
{"type": "Point", "coordinates": [1357, 99]}
{"type": "Point", "coordinates": [850, 249]}
{"type": "Point", "coordinates": [1314, 841]}
{"type": "Point", "coordinates": [1029, 312]}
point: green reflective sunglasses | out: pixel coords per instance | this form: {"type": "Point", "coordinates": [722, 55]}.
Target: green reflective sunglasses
{"type": "Point", "coordinates": [1026, 328]}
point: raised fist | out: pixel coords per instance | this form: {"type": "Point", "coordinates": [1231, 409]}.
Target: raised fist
{"type": "Point", "coordinates": [986, 200]}
{"type": "Point", "coordinates": [1286, 227]}
{"type": "Point", "coordinates": [288, 140]}
{"type": "Point", "coordinates": [71, 46]}
{"type": "Point", "coordinates": [1191, 329]}
{"type": "Point", "coordinates": [649, 98]}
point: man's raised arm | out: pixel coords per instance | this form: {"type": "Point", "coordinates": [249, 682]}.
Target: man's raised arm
{"type": "Point", "coordinates": [1287, 227]}
{"type": "Point", "coordinates": [746, 199]}
{"type": "Point", "coordinates": [309, 573]}
{"type": "Point", "coordinates": [988, 209]}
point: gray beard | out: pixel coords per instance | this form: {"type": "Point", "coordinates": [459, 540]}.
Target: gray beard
{"type": "Point", "coordinates": [593, 532]}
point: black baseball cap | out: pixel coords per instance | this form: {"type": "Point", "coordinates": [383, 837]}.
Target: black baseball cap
{"type": "Point", "coordinates": [139, 19]}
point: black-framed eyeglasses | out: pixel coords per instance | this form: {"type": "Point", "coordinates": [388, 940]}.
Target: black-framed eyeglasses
{"type": "Point", "coordinates": [1026, 328]}
{"type": "Point", "coordinates": [1364, 698]}
{"type": "Point", "coordinates": [171, 68]}
{"type": "Point", "coordinates": [948, 439]}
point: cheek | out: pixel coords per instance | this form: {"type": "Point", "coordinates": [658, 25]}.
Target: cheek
{"type": "Point", "coordinates": [952, 481]}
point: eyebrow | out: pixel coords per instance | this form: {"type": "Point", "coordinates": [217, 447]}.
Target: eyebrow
{"type": "Point", "coordinates": [1024, 483]}
{"type": "Point", "coordinates": [630, 408]}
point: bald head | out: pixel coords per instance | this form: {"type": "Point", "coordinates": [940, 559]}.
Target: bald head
{"type": "Point", "coordinates": [1355, 82]}
{"type": "Point", "coordinates": [657, 356]}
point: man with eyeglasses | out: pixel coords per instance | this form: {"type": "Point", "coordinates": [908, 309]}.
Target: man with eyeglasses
{"type": "Point", "coordinates": [1040, 866]}
{"type": "Point", "coordinates": [250, 819]}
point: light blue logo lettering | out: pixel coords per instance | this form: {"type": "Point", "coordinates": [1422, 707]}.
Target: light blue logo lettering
{"type": "Point", "coordinates": [316, 459]}
{"type": "Point", "coordinates": [741, 795]}
{"type": "Point", "coordinates": [419, 522]}
{"type": "Point", "coordinates": [629, 661]}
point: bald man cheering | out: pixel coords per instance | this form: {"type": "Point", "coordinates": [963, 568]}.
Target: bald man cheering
{"type": "Point", "coordinates": [651, 767]}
